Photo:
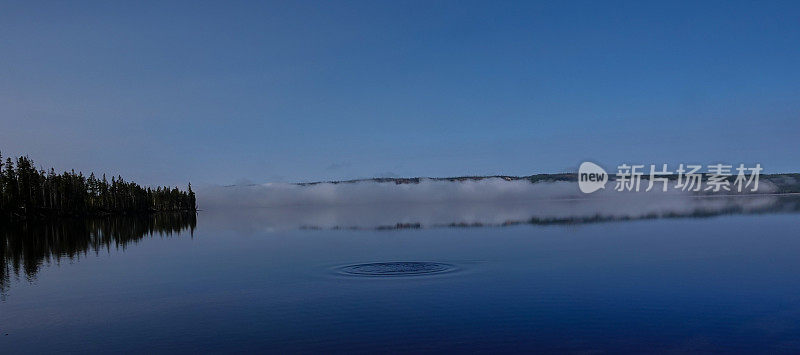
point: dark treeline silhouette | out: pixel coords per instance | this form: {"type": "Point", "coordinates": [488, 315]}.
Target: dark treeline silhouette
{"type": "Point", "coordinates": [26, 245]}
{"type": "Point", "coordinates": [28, 192]}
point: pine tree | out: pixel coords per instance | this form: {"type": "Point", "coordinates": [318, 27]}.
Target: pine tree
{"type": "Point", "coordinates": [24, 190]}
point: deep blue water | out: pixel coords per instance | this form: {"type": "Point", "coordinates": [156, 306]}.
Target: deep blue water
{"type": "Point", "coordinates": [723, 284]}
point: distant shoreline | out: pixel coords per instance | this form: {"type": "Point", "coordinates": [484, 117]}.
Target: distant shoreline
{"type": "Point", "coordinates": [786, 182]}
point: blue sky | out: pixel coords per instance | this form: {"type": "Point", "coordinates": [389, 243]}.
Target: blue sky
{"type": "Point", "coordinates": [219, 92]}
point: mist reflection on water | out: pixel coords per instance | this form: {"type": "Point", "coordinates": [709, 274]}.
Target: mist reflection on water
{"type": "Point", "coordinates": [492, 213]}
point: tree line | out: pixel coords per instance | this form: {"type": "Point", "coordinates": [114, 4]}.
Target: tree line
{"type": "Point", "coordinates": [26, 192]}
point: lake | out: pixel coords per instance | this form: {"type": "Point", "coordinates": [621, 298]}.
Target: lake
{"type": "Point", "coordinates": [238, 281]}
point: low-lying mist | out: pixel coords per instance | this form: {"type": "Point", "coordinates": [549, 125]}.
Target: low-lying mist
{"type": "Point", "coordinates": [429, 203]}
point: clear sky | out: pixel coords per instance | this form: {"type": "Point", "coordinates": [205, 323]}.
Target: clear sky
{"type": "Point", "coordinates": [219, 92]}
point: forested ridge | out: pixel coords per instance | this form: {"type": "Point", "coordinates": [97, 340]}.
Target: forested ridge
{"type": "Point", "coordinates": [28, 192]}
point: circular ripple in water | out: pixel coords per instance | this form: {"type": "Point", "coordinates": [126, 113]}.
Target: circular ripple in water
{"type": "Point", "coordinates": [400, 268]}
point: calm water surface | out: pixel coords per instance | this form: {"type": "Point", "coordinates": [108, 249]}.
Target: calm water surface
{"type": "Point", "coordinates": [728, 283]}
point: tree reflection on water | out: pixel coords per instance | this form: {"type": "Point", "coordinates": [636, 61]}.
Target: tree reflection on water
{"type": "Point", "coordinates": [25, 246]}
